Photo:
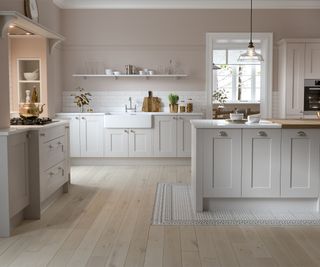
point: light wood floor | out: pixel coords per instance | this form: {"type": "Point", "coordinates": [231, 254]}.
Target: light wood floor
{"type": "Point", "coordinates": [105, 221]}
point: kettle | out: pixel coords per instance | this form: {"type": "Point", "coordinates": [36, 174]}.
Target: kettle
{"type": "Point", "coordinates": [30, 110]}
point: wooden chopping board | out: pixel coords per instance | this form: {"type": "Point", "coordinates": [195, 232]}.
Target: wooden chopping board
{"type": "Point", "coordinates": [298, 123]}
{"type": "Point", "coordinates": [151, 104]}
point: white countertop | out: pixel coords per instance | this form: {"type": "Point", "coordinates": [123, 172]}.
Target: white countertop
{"type": "Point", "coordinates": [208, 124]}
{"type": "Point", "coordinates": [16, 129]}
{"type": "Point", "coordinates": [127, 113]}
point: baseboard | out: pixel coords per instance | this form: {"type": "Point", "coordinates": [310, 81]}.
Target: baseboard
{"type": "Point", "coordinates": [130, 161]}
{"type": "Point", "coordinates": [277, 204]}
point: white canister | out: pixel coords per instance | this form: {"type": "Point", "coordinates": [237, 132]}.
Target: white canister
{"type": "Point", "coordinates": [109, 71]}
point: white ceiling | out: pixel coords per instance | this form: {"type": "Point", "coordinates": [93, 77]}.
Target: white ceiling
{"type": "Point", "coordinates": [187, 4]}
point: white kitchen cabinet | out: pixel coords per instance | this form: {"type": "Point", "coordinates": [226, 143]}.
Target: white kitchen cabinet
{"type": "Point", "coordinates": [172, 135]}
{"type": "Point", "coordinates": [116, 143]}
{"type": "Point", "coordinates": [300, 163]}
{"type": "Point", "coordinates": [312, 67]}
{"type": "Point", "coordinates": [18, 172]}
{"type": "Point", "coordinates": [184, 135]}
{"type": "Point", "coordinates": [91, 136]}
{"type": "Point", "coordinates": [222, 163]}
{"type": "Point", "coordinates": [165, 136]}
{"type": "Point", "coordinates": [261, 162]}
{"type": "Point", "coordinates": [128, 142]}
{"type": "Point", "coordinates": [86, 134]}
{"type": "Point", "coordinates": [291, 79]}
{"type": "Point", "coordinates": [140, 143]}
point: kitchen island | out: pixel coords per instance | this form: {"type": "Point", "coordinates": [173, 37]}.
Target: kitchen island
{"type": "Point", "coordinates": [269, 165]}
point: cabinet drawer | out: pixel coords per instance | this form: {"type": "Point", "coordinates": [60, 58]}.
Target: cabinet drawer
{"type": "Point", "coordinates": [52, 152]}
{"type": "Point", "coordinates": [52, 179]}
{"type": "Point", "coordinates": [51, 133]}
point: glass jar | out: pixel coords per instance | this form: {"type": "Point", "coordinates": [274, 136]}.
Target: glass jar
{"type": "Point", "coordinates": [189, 105]}
{"type": "Point", "coordinates": [182, 106]}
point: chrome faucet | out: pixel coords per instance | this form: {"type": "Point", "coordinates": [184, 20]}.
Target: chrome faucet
{"type": "Point", "coordinates": [130, 108]}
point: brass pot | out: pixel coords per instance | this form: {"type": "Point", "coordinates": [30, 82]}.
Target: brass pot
{"type": "Point", "coordinates": [30, 110]}
{"type": "Point", "coordinates": [173, 108]}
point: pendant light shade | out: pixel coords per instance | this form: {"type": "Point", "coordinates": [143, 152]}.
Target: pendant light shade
{"type": "Point", "coordinates": [251, 55]}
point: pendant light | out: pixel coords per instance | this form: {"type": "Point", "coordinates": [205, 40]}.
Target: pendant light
{"type": "Point", "coordinates": [251, 55]}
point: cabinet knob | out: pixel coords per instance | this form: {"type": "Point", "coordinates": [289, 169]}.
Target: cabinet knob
{"type": "Point", "coordinates": [301, 133]}
{"type": "Point", "coordinates": [132, 131]}
{"type": "Point", "coordinates": [262, 133]}
{"type": "Point", "coordinates": [77, 118]}
{"type": "Point", "coordinates": [126, 131]}
{"type": "Point", "coordinates": [83, 118]}
{"type": "Point", "coordinates": [222, 133]}
{"type": "Point", "coordinates": [174, 118]}
{"type": "Point", "coordinates": [67, 127]}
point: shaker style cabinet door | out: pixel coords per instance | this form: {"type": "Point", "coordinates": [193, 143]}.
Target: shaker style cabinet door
{"type": "Point", "coordinates": [295, 79]}
{"type": "Point", "coordinates": [222, 163]}
{"type": "Point", "coordinates": [184, 135]}
{"type": "Point", "coordinates": [140, 142]}
{"type": "Point", "coordinates": [300, 163]}
{"type": "Point", "coordinates": [165, 134]}
{"type": "Point", "coordinates": [261, 162]}
{"type": "Point", "coordinates": [91, 135]}
{"type": "Point", "coordinates": [312, 68]}
{"type": "Point", "coordinates": [116, 143]}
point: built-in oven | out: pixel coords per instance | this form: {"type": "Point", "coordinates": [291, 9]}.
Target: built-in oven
{"type": "Point", "coordinates": [311, 96]}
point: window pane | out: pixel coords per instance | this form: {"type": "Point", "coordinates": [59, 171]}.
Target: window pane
{"type": "Point", "coordinates": [219, 57]}
{"type": "Point", "coordinates": [242, 82]}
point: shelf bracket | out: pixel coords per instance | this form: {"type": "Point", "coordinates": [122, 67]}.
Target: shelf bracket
{"type": "Point", "coordinates": [5, 21]}
{"type": "Point", "coordinates": [52, 44]}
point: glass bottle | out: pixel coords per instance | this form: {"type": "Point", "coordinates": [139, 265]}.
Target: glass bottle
{"type": "Point", "coordinates": [182, 106]}
{"type": "Point", "coordinates": [189, 105]}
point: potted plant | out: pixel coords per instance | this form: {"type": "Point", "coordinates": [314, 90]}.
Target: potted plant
{"type": "Point", "coordinates": [82, 99]}
{"type": "Point", "coordinates": [220, 96]}
{"type": "Point", "coordinates": [173, 100]}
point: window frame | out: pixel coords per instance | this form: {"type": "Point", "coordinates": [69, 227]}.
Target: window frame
{"type": "Point", "coordinates": [263, 41]}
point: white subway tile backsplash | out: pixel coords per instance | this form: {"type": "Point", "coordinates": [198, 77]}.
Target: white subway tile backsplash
{"type": "Point", "coordinates": [114, 101]}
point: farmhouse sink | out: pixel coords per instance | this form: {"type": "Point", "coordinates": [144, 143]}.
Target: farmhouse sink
{"type": "Point", "coordinates": [128, 120]}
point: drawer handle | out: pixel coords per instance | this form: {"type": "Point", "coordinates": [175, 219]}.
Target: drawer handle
{"type": "Point", "coordinates": [42, 134]}
{"type": "Point", "coordinates": [77, 118]}
{"type": "Point", "coordinates": [126, 131]}
{"type": "Point", "coordinates": [262, 133]}
{"type": "Point", "coordinates": [132, 131]}
{"type": "Point", "coordinates": [51, 146]}
{"type": "Point", "coordinates": [301, 133]}
{"type": "Point", "coordinates": [222, 133]}
{"type": "Point", "coordinates": [83, 118]}
{"type": "Point", "coordinates": [62, 170]}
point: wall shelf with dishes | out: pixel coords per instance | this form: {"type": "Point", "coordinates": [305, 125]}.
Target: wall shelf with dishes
{"type": "Point", "coordinates": [29, 78]}
{"type": "Point", "coordinates": [142, 76]}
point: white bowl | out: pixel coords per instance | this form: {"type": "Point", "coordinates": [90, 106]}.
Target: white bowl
{"type": "Point", "coordinates": [108, 71]}
{"type": "Point", "coordinates": [253, 119]}
{"type": "Point", "coordinates": [116, 73]}
{"type": "Point", "coordinates": [31, 76]}
{"type": "Point", "coordinates": [236, 116]}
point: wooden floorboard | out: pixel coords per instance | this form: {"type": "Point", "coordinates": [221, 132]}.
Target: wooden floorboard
{"type": "Point", "coordinates": [105, 220]}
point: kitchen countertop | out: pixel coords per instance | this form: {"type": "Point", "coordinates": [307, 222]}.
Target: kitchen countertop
{"type": "Point", "coordinates": [129, 113]}
{"type": "Point", "coordinates": [208, 124]}
{"type": "Point", "coordinates": [16, 129]}
{"type": "Point", "coordinates": [298, 123]}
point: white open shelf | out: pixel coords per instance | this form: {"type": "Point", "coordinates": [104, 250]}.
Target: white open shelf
{"type": "Point", "coordinates": [29, 81]}
{"type": "Point", "coordinates": [146, 76]}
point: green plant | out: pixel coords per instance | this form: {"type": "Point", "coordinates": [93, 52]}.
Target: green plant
{"type": "Point", "coordinates": [82, 98]}
{"type": "Point", "coordinates": [173, 99]}
{"type": "Point", "coordinates": [220, 95]}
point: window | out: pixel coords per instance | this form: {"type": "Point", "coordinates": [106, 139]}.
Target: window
{"type": "Point", "coordinates": [247, 83]}
{"type": "Point", "coordinates": [242, 82]}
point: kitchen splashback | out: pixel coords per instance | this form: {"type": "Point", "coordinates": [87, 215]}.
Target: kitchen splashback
{"type": "Point", "coordinates": [115, 101]}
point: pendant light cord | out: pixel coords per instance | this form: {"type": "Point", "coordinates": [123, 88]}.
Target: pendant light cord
{"type": "Point", "coordinates": [251, 23]}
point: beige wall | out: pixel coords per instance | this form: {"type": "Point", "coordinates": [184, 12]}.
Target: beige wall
{"type": "Point", "coordinates": [97, 39]}
{"type": "Point", "coordinates": [49, 16]}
